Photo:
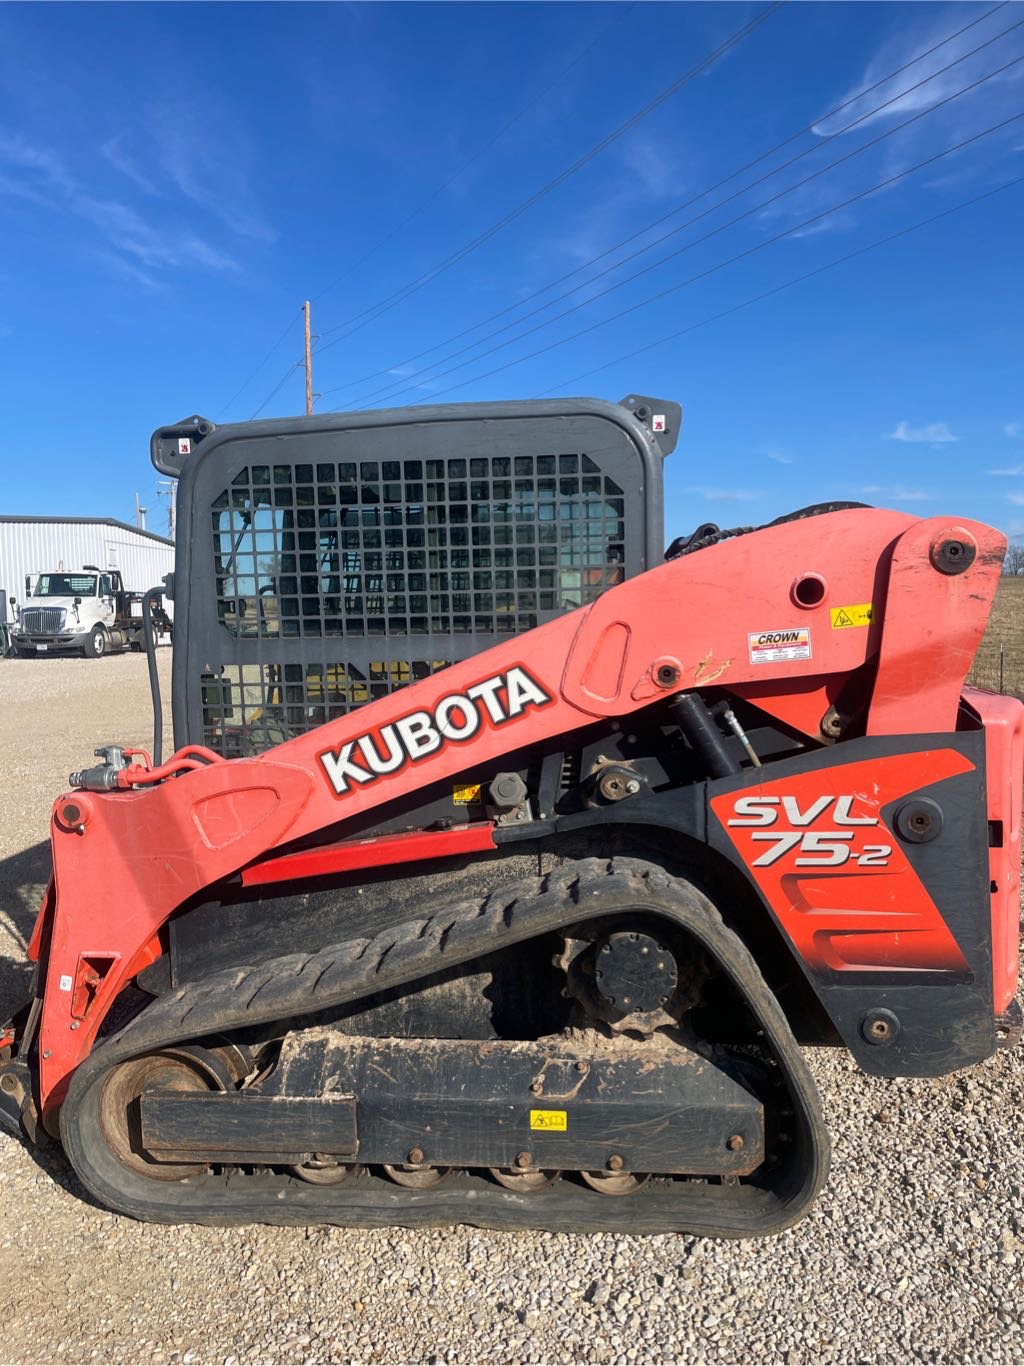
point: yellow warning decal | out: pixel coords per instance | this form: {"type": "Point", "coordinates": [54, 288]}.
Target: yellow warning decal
{"type": "Point", "coordinates": [549, 1119]}
{"type": "Point", "coordinates": [465, 793]}
{"type": "Point", "coordinates": [858, 615]}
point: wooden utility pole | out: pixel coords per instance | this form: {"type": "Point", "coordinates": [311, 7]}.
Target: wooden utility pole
{"type": "Point", "coordinates": [309, 361]}
{"type": "Point", "coordinates": [167, 488]}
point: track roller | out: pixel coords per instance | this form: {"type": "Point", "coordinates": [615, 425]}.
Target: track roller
{"type": "Point", "coordinates": [615, 1183]}
{"type": "Point", "coordinates": [325, 1173]}
{"type": "Point", "coordinates": [522, 1182]}
{"type": "Point", "coordinates": [417, 1178]}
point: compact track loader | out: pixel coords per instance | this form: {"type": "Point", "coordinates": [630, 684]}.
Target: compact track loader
{"type": "Point", "coordinates": [505, 864]}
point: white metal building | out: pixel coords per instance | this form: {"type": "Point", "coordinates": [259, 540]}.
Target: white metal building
{"type": "Point", "coordinates": [32, 545]}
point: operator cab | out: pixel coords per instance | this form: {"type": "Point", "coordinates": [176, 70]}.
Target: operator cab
{"type": "Point", "coordinates": [324, 562]}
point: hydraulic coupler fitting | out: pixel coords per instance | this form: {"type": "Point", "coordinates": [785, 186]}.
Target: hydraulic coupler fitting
{"type": "Point", "coordinates": [102, 777]}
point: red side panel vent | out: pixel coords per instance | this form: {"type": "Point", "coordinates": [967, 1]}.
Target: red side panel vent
{"type": "Point", "coordinates": [92, 969]}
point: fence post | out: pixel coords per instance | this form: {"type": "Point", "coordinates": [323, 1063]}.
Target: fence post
{"type": "Point", "coordinates": [1001, 666]}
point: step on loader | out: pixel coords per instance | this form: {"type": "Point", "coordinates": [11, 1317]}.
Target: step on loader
{"type": "Point", "coordinates": [505, 865]}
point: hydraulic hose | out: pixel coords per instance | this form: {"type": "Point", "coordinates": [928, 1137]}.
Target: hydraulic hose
{"type": "Point", "coordinates": [148, 598]}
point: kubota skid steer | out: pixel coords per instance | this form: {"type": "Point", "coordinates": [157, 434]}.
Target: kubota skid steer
{"type": "Point", "coordinates": [386, 944]}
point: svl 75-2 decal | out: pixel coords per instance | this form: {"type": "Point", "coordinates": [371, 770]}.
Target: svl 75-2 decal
{"type": "Point", "coordinates": [838, 880]}
{"type": "Point", "coordinates": [817, 848]}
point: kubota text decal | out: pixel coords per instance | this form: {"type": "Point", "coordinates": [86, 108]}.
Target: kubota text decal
{"type": "Point", "coordinates": [454, 720]}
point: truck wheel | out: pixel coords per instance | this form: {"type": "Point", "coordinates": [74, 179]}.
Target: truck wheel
{"type": "Point", "coordinates": [96, 643]}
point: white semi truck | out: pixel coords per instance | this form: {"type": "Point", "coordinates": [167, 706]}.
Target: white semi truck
{"type": "Point", "coordinates": [88, 610]}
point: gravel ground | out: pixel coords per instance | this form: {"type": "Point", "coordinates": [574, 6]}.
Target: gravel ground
{"type": "Point", "coordinates": [915, 1251]}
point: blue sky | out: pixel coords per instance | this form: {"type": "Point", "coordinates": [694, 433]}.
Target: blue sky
{"type": "Point", "coordinates": [175, 180]}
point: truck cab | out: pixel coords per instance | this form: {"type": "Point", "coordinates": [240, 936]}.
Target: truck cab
{"type": "Point", "coordinates": [87, 611]}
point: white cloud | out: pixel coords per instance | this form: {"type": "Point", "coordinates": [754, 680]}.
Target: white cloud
{"type": "Point", "coordinates": [835, 222]}
{"type": "Point", "coordinates": [20, 189]}
{"type": "Point", "coordinates": [130, 233]}
{"type": "Point", "coordinates": [208, 162]}
{"type": "Point", "coordinates": [935, 432]}
{"type": "Point", "coordinates": [122, 265]}
{"type": "Point", "coordinates": [39, 175]}
{"type": "Point", "coordinates": [716, 495]}
{"type": "Point", "coordinates": [774, 452]}
{"type": "Point", "coordinates": [406, 372]}
{"type": "Point", "coordinates": [206, 158]}
{"type": "Point", "coordinates": [896, 493]}
{"type": "Point", "coordinates": [38, 161]}
{"type": "Point", "coordinates": [1011, 473]}
{"type": "Point", "coordinates": [114, 151]}
{"type": "Point", "coordinates": [1017, 498]}
{"type": "Point", "coordinates": [901, 47]}
{"type": "Point", "coordinates": [1013, 428]}
{"type": "Point", "coordinates": [655, 166]}
{"type": "Point", "coordinates": [917, 110]}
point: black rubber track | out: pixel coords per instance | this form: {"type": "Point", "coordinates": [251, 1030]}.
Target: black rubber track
{"type": "Point", "coordinates": [303, 983]}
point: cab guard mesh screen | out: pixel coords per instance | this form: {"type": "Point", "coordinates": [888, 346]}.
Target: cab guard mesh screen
{"type": "Point", "coordinates": [325, 562]}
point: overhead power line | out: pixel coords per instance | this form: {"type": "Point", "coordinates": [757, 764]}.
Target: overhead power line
{"type": "Point", "coordinates": [521, 113]}
{"type": "Point", "coordinates": [399, 387]}
{"type": "Point", "coordinates": [360, 320]}
{"type": "Point", "coordinates": [471, 161]}
{"type": "Point", "coordinates": [778, 289]}
{"type": "Point", "coordinates": [740, 256]}
{"type": "Point", "coordinates": [295, 365]}
{"type": "Point", "coordinates": [242, 388]}
{"type": "Point", "coordinates": [663, 218]}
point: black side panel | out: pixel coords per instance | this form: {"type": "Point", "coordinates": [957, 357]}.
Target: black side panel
{"type": "Point", "coordinates": [943, 1021]}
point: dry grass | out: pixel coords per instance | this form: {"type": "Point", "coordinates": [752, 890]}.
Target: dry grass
{"type": "Point", "coordinates": [999, 663]}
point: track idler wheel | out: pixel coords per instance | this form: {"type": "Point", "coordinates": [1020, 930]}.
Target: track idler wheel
{"type": "Point", "coordinates": [172, 1069]}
